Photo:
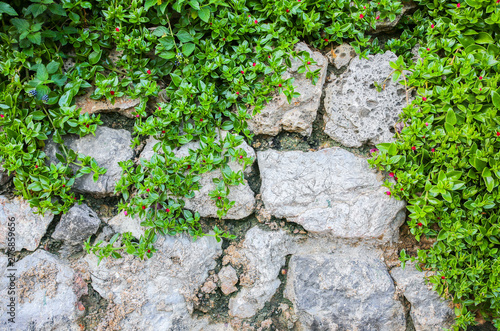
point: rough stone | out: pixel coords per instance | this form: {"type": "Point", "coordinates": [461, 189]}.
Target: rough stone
{"type": "Point", "coordinates": [299, 115]}
{"type": "Point", "coordinates": [107, 147]}
{"type": "Point", "coordinates": [45, 294]}
{"type": "Point", "coordinates": [124, 105]}
{"type": "Point", "coordinates": [201, 202]}
{"type": "Point", "coordinates": [341, 55]}
{"type": "Point", "coordinates": [29, 227]}
{"type": "Point", "coordinates": [4, 176]}
{"type": "Point", "coordinates": [264, 254]}
{"type": "Point", "coordinates": [121, 223]}
{"type": "Point", "coordinates": [355, 112]}
{"type": "Point", "coordinates": [228, 278]}
{"type": "Point", "coordinates": [330, 192]}
{"type": "Point", "coordinates": [155, 293]}
{"type": "Point", "coordinates": [428, 310]}
{"type": "Point", "coordinates": [347, 290]}
{"type": "Point", "coordinates": [79, 223]}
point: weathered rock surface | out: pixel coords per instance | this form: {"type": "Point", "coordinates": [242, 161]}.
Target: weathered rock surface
{"type": "Point", "coordinates": [4, 176]}
{"type": "Point", "coordinates": [121, 223]}
{"type": "Point", "coordinates": [124, 105]}
{"type": "Point", "coordinates": [330, 192]}
{"type": "Point", "coordinates": [45, 295]}
{"type": "Point", "coordinates": [154, 294]}
{"type": "Point", "coordinates": [299, 115]}
{"type": "Point", "coordinates": [428, 310]}
{"type": "Point", "coordinates": [107, 147]}
{"type": "Point", "coordinates": [228, 278]}
{"type": "Point", "coordinates": [264, 254]}
{"type": "Point", "coordinates": [79, 223]}
{"type": "Point", "coordinates": [347, 290]}
{"type": "Point", "coordinates": [241, 194]}
{"type": "Point", "coordinates": [355, 112]}
{"type": "Point", "coordinates": [341, 55]}
{"type": "Point", "coordinates": [29, 227]}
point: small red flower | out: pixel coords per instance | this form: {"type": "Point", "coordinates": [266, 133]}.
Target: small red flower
{"type": "Point", "coordinates": [137, 115]}
{"type": "Point", "coordinates": [36, 167]}
{"type": "Point", "coordinates": [254, 64]}
{"type": "Point", "coordinates": [2, 115]}
{"type": "Point", "coordinates": [241, 156]}
{"type": "Point", "coordinates": [361, 15]}
{"type": "Point", "coordinates": [308, 62]}
{"type": "Point", "coordinates": [433, 150]}
{"type": "Point", "coordinates": [64, 185]}
{"type": "Point", "coordinates": [432, 26]}
{"type": "Point", "coordinates": [149, 251]}
{"type": "Point", "coordinates": [219, 198]}
{"type": "Point", "coordinates": [299, 0]}
{"type": "Point", "coordinates": [256, 21]}
{"type": "Point", "coordinates": [242, 72]}
{"type": "Point", "coordinates": [87, 125]}
{"type": "Point", "coordinates": [498, 134]}
{"type": "Point", "coordinates": [428, 49]}
{"type": "Point", "coordinates": [201, 119]}
{"type": "Point", "coordinates": [378, 17]}
{"type": "Point", "coordinates": [480, 77]}
{"type": "Point", "coordinates": [480, 89]}
{"type": "Point", "coordinates": [391, 174]}
{"type": "Point", "coordinates": [288, 10]}
{"type": "Point", "coordinates": [129, 40]}
{"type": "Point", "coordinates": [424, 99]}
{"type": "Point", "coordinates": [147, 190]}
{"type": "Point", "coordinates": [143, 207]}
{"type": "Point", "coordinates": [279, 85]}
{"type": "Point", "coordinates": [75, 198]}
{"type": "Point", "coordinates": [125, 212]}
{"type": "Point", "coordinates": [458, 5]}
{"type": "Point", "coordinates": [149, 72]}
{"type": "Point", "coordinates": [269, 56]}
{"type": "Point", "coordinates": [223, 39]}
{"type": "Point", "coordinates": [364, 7]}
{"type": "Point", "coordinates": [426, 124]}
{"type": "Point", "coordinates": [167, 210]}
{"type": "Point", "coordinates": [117, 29]}
{"type": "Point", "coordinates": [419, 224]}
{"type": "Point", "coordinates": [326, 39]}
{"type": "Point", "coordinates": [249, 16]}
{"type": "Point", "coordinates": [112, 92]}
{"type": "Point", "coordinates": [237, 93]}
{"type": "Point", "coordinates": [388, 193]}
{"type": "Point", "coordinates": [413, 148]}
{"type": "Point", "coordinates": [396, 178]}
{"type": "Point", "coordinates": [189, 167]}
{"type": "Point", "coordinates": [443, 277]}
{"type": "Point", "coordinates": [210, 23]}
{"type": "Point", "coordinates": [162, 131]}
{"type": "Point", "coordinates": [401, 189]}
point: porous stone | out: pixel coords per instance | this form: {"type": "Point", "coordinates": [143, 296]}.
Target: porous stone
{"type": "Point", "coordinates": [299, 115]}
{"type": "Point", "coordinates": [242, 194]}
{"type": "Point", "coordinates": [29, 227]}
{"type": "Point", "coordinates": [429, 311]}
{"type": "Point", "coordinates": [123, 105]}
{"type": "Point", "coordinates": [46, 297]}
{"type": "Point", "coordinates": [341, 55]}
{"type": "Point", "coordinates": [155, 293]}
{"type": "Point", "coordinates": [355, 112]}
{"type": "Point", "coordinates": [79, 223]}
{"type": "Point", "coordinates": [107, 147]}
{"type": "Point", "coordinates": [330, 192]}
{"type": "Point", "coordinates": [228, 278]}
{"type": "Point", "coordinates": [121, 223]}
{"type": "Point", "coordinates": [347, 290]}
{"type": "Point", "coordinates": [263, 255]}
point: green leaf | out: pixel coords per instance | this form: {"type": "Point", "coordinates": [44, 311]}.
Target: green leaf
{"type": "Point", "coordinates": [52, 67]}
{"type": "Point", "coordinates": [184, 36]}
{"type": "Point", "coordinates": [20, 24]}
{"type": "Point", "coordinates": [94, 57]}
{"type": "Point", "coordinates": [204, 13]}
{"type": "Point", "coordinates": [59, 79]}
{"type": "Point", "coordinates": [443, 234]}
{"type": "Point", "coordinates": [5, 8]}
{"type": "Point", "coordinates": [188, 48]}
{"type": "Point", "coordinates": [484, 38]}
{"type": "Point", "coordinates": [451, 118]}
{"type": "Point", "coordinates": [57, 9]}
{"type": "Point", "coordinates": [37, 9]}
{"type": "Point", "coordinates": [35, 38]}
{"type": "Point", "coordinates": [176, 79]}
{"type": "Point", "coordinates": [149, 4]}
{"type": "Point", "coordinates": [496, 99]}
{"type": "Point", "coordinates": [160, 31]}
{"type": "Point", "coordinates": [194, 4]}
{"type": "Point", "coordinates": [42, 73]}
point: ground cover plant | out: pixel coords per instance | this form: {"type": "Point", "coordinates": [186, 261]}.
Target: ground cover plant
{"type": "Point", "coordinates": [215, 60]}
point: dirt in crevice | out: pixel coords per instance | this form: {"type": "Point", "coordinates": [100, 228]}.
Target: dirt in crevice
{"type": "Point", "coordinates": [95, 309]}
{"type": "Point", "coordinates": [116, 121]}
{"type": "Point", "coordinates": [407, 307]}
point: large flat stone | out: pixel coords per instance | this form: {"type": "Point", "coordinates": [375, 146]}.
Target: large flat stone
{"type": "Point", "coordinates": [29, 227]}
{"type": "Point", "coordinates": [355, 112]}
{"type": "Point", "coordinates": [79, 223]}
{"type": "Point", "coordinates": [299, 115]}
{"type": "Point", "coordinates": [124, 105]}
{"type": "Point", "coordinates": [349, 290]}
{"type": "Point", "coordinates": [330, 192]}
{"type": "Point", "coordinates": [107, 147]}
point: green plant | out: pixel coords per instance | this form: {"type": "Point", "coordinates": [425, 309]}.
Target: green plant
{"type": "Point", "coordinates": [446, 158]}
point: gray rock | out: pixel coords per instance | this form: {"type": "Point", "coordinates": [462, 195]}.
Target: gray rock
{"type": "Point", "coordinates": [228, 278]}
{"type": "Point", "coordinates": [341, 55]}
{"type": "Point", "coordinates": [108, 147]}
{"type": "Point", "coordinates": [29, 227]}
{"type": "Point", "coordinates": [299, 115]}
{"type": "Point", "coordinates": [343, 291]}
{"type": "Point", "coordinates": [155, 294]}
{"type": "Point", "coordinates": [330, 192]}
{"type": "Point", "coordinates": [79, 223]}
{"type": "Point", "coordinates": [241, 194]}
{"type": "Point", "coordinates": [124, 105]}
{"type": "Point", "coordinates": [121, 223]}
{"type": "Point", "coordinates": [264, 254]}
{"type": "Point", "coordinates": [4, 176]}
{"type": "Point", "coordinates": [4, 261]}
{"type": "Point", "coordinates": [428, 310]}
{"type": "Point", "coordinates": [45, 295]}
{"type": "Point", "coordinates": [355, 112]}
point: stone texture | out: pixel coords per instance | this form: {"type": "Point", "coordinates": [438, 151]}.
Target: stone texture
{"type": "Point", "coordinates": [121, 223]}
{"type": "Point", "coordinates": [241, 194]}
{"type": "Point", "coordinates": [347, 290]}
{"type": "Point", "coordinates": [154, 294]}
{"type": "Point", "coordinates": [79, 223]}
{"type": "Point", "coordinates": [331, 192]}
{"type": "Point", "coordinates": [341, 55]}
{"type": "Point", "coordinates": [124, 105]}
{"type": "Point", "coordinates": [228, 278]}
{"type": "Point", "coordinates": [428, 310]}
{"type": "Point", "coordinates": [4, 176]}
{"type": "Point", "coordinates": [355, 112]}
{"type": "Point", "coordinates": [107, 147]}
{"type": "Point", "coordinates": [263, 255]}
{"type": "Point", "coordinates": [45, 295]}
{"type": "Point", "coordinates": [299, 115]}
{"type": "Point", "coordinates": [29, 227]}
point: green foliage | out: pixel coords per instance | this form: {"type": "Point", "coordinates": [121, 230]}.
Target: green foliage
{"type": "Point", "coordinates": [446, 158]}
